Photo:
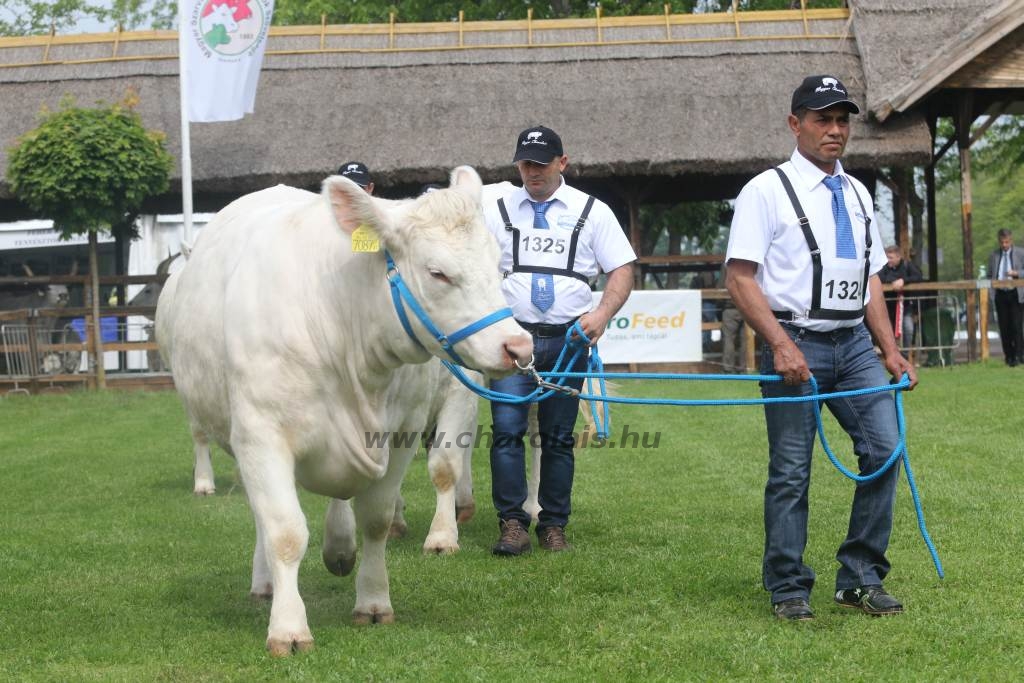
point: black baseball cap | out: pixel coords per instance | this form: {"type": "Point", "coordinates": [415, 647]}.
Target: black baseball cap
{"type": "Point", "coordinates": [821, 92]}
{"type": "Point", "coordinates": [538, 144]}
{"type": "Point", "coordinates": [357, 172]}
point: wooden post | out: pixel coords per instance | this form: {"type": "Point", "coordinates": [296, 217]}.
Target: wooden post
{"type": "Point", "coordinates": [965, 116]}
{"type": "Point", "coordinates": [633, 206]}
{"type": "Point", "coordinates": [929, 199]}
{"type": "Point", "coordinates": [94, 329]}
{"type": "Point", "coordinates": [983, 320]}
{"type": "Point", "coordinates": [32, 366]}
{"type": "Point", "coordinates": [751, 360]}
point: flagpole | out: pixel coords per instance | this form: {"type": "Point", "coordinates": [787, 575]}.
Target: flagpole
{"type": "Point", "coordinates": [186, 143]}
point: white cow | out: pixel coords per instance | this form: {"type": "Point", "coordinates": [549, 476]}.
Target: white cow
{"type": "Point", "coordinates": [287, 351]}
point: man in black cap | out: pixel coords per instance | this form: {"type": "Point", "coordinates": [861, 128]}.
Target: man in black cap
{"type": "Point", "coordinates": [802, 267]}
{"type": "Point", "coordinates": [357, 172]}
{"type": "Point", "coordinates": [554, 241]}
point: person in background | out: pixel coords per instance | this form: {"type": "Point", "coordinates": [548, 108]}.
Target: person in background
{"type": "Point", "coordinates": [705, 279]}
{"type": "Point", "coordinates": [734, 338]}
{"type": "Point", "coordinates": [898, 272]}
{"type": "Point", "coordinates": [554, 240]}
{"type": "Point", "coordinates": [802, 267]}
{"type": "Point", "coordinates": [357, 172]}
{"type": "Point", "coordinates": [1005, 263]}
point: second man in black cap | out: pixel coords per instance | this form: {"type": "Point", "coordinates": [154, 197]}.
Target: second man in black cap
{"type": "Point", "coordinates": [554, 241]}
{"type": "Point", "coordinates": [802, 268]}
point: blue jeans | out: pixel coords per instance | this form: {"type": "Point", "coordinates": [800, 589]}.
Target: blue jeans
{"type": "Point", "coordinates": [840, 361]}
{"type": "Point", "coordinates": [556, 417]}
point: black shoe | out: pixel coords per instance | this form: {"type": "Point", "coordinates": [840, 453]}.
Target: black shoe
{"type": "Point", "coordinates": [794, 609]}
{"type": "Point", "coordinates": [872, 599]}
{"type": "Point", "coordinates": [514, 540]}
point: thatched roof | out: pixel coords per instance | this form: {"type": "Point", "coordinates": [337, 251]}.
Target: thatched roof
{"type": "Point", "coordinates": [640, 106]}
{"type": "Point", "coordinates": [909, 48]}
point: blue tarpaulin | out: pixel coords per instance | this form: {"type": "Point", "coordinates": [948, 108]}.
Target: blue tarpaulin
{"type": "Point", "coordinates": [108, 328]}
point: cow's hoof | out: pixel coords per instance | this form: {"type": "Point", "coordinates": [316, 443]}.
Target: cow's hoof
{"type": "Point", "coordinates": [398, 530]}
{"type": "Point", "coordinates": [367, 618]}
{"type": "Point", "coordinates": [339, 565]}
{"type": "Point", "coordinates": [204, 490]}
{"type": "Point", "coordinates": [261, 595]}
{"type": "Point", "coordinates": [284, 647]}
{"type": "Point", "coordinates": [464, 513]}
{"type": "Point", "coordinates": [440, 545]}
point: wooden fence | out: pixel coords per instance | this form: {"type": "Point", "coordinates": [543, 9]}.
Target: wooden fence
{"type": "Point", "coordinates": [32, 377]}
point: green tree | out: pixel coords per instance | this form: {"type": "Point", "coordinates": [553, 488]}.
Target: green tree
{"type": "Point", "coordinates": [90, 170]}
{"type": "Point", "coordinates": [24, 17]}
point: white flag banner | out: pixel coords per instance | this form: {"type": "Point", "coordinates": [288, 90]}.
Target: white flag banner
{"type": "Point", "coordinates": [222, 44]}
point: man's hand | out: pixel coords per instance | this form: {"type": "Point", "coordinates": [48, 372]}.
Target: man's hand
{"type": "Point", "coordinates": [790, 362]}
{"type": "Point", "coordinates": [896, 364]}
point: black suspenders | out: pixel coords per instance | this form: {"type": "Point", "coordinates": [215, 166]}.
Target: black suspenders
{"type": "Point", "coordinates": [570, 262]}
{"type": "Point", "coordinates": [805, 225]}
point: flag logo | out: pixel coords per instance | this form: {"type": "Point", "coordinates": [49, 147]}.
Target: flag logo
{"type": "Point", "coordinates": [229, 29]}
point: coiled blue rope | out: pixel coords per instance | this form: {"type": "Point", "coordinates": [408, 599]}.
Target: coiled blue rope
{"type": "Point", "coordinates": [577, 343]}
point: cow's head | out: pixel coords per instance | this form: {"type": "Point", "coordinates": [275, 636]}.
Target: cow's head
{"type": "Point", "coordinates": [150, 294]}
{"type": "Point", "coordinates": [447, 258]}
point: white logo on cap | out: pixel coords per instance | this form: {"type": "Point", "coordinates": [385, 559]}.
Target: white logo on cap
{"type": "Point", "coordinates": [352, 168]}
{"type": "Point", "coordinates": [533, 138]}
{"type": "Point", "coordinates": [829, 83]}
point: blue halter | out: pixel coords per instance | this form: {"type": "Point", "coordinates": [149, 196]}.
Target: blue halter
{"type": "Point", "coordinates": [402, 297]}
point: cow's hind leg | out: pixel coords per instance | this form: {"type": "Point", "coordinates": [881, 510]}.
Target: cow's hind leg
{"type": "Point", "coordinates": [269, 481]}
{"type": "Point", "coordinates": [202, 469]}
{"type": "Point", "coordinates": [399, 527]}
{"type": "Point", "coordinates": [339, 553]}
{"type": "Point", "coordinates": [532, 504]}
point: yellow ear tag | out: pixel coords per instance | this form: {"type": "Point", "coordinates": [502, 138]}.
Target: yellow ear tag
{"type": "Point", "coordinates": [365, 240]}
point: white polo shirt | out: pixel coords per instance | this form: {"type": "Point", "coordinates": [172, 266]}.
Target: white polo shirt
{"type": "Point", "coordinates": [765, 230]}
{"type": "Point", "coordinates": [602, 247]}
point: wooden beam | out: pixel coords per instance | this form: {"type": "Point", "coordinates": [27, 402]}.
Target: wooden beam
{"type": "Point", "coordinates": [964, 119]}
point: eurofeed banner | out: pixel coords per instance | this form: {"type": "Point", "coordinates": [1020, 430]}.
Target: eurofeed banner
{"type": "Point", "coordinates": [654, 327]}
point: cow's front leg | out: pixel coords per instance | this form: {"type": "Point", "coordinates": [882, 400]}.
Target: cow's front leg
{"type": "Point", "coordinates": [281, 530]}
{"type": "Point", "coordinates": [444, 463]}
{"type": "Point", "coordinates": [374, 510]}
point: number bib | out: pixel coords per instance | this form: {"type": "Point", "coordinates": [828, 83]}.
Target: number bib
{"type": "Point", "coordinates": [543, 247]}
{"type": "Point", "coordinates": [841, 286]}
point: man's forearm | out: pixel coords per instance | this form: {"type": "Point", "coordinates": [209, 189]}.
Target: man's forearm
{"type": "Point", "coordinates": [616, 291]}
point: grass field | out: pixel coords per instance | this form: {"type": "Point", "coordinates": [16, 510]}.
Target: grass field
{"type": "Point", "coordinates": [110, 570]}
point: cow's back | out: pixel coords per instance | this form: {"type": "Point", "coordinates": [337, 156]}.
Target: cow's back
{"type": "Point", "coordinates": [236, 260]}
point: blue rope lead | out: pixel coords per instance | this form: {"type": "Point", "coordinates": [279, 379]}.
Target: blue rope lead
{"type": "Point", "coordinates": [595, 370]}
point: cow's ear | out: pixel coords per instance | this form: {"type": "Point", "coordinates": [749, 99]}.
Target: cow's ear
{"type": "Point", "coordinates": [350, 205]}
{"type": "Point", "coordinates": [466, 180]}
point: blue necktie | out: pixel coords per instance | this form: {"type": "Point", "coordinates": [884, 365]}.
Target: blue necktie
{"type": "Point", "coordinates": [845, 246]}
{"type": "Point", "coordinates": [542, 286]}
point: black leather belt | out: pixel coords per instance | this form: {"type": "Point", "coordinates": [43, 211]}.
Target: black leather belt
{"type": "Point", "coordinates": [546, 330]}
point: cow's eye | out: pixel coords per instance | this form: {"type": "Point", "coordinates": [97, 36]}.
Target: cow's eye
{"type": "Point", "coordinates": [439, 275]}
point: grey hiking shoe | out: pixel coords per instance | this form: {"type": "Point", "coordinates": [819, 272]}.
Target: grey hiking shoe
{"type": "Point", "coordinates": [872, 599]}
{"type": "Point", "coordinates": [514, 540]}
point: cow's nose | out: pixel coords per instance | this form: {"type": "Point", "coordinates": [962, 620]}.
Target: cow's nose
{"type": "Point", "coordinates": [518, 348]}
